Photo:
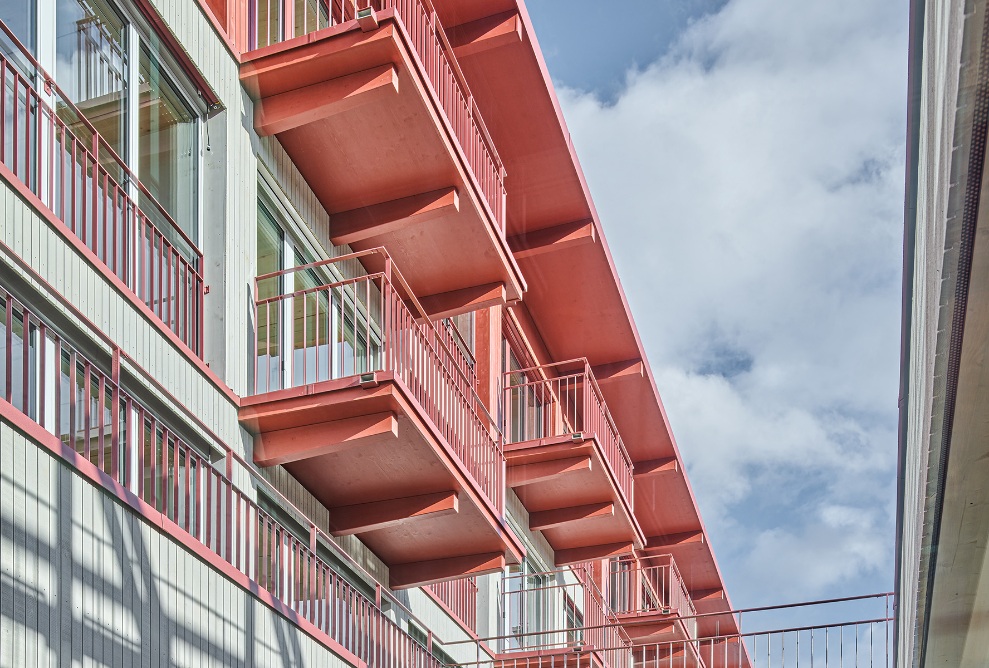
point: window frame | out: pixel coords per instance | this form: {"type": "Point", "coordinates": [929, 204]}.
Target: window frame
{"type": "Point", "coordinates": [139, 33]}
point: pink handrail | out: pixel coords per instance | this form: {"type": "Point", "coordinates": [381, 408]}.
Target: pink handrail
{"type": "Point", "coordinates": [637, 588]}
{"type": "Point", "coordinates": [71, 179]}
{"type": "Point", "coordinates": [592, 621]}
{"type": "Point", "coordinates": [460, 597]}
{"type": "Point", "coordinates": [550, 401]}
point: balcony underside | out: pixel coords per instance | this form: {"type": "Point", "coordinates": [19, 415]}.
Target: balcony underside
{"type": "Point", "coordinates": [567, 657]}
{"type": "Point", "coordinates": [572, 498]}
{"type": "Point", "coordinates": [353, 112]}
{"type": "Point", "coordinates": [372, 457]}
{"type": "Point", "coordinates": [653, 627]}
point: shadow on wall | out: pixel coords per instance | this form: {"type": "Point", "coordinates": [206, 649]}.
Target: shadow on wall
{"type": "Point", "coordinates": [82, 577]}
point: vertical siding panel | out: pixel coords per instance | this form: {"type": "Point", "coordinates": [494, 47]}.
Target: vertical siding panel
{"type": "Point", "coordinates": [48, 621]}
{"type": "Point", "coordinates": [19, 521]}
{"type": "Point", "coordinates": [32, 556]}
{"type": "Point", "coordinates": [6, 542]}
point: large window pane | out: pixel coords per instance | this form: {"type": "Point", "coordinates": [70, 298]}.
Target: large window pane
{"type": "Point", "coordinates": [167, 144]}
{"type": "Point", "coordinates": [91, 68]}
{"type": "Point", "coordinates": [269, 259]}
{"type": "Point", "coordinates": [19, 15]}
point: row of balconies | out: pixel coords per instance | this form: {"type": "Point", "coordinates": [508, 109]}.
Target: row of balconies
{"type": "Point", "coordinates": [356, 393]}
{"type": "Point", "coordinates": [375, 410]}
{"type": "Point", "coordinates": [384, 427]}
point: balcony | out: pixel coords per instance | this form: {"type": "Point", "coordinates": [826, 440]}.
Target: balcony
{"type": "Point", "coordinates": [374, 112]}
{"type": "Point", "coordinates": [653, 600]}
{"type": "Point", "coordinates": [559, 618]}
{"type": "Point", "coordinates": [567, 464]}
{"type": "Point", "coordinates": [373, 410]}
{"type": "Point", "coordinates": [64, 167]}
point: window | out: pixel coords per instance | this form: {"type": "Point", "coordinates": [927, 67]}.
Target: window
{"type": "Point", "coordinates": [574, 621]}
{"type": "Point", "coordinates": [271, 241]}
{"type": "Point", "coordinates": [524, 401]}
{"type": "Point", "coordinates": [167, 133]}
{"type": "Point", "coordinates": [311, 326]}
{"type": "Point", "coordinates": [91, 66]}
{"type": "Point", "coordinates": [528, 603]}
{"type": "Point", "coordinates": [115, 72]}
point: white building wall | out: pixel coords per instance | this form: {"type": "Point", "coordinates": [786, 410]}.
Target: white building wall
{"type": "Point", "coordinates": [84, 579]}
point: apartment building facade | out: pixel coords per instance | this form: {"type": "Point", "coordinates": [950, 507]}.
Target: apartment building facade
{"type": "Point", "coordinates": [314, 352]}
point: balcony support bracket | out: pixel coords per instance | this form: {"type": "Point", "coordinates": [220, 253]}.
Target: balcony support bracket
{"type": "Point", "coordinates": [284, 446]}
{"type": "Point", "coordinates": [656, 467]}
{"type": "Point", "coordinates": [606, 374]}
{"type": "Point", "coordinates": [526, 474]}
{"type": "Point", "coordinates": [665, 543]}
{"type": "Point", "coordinates": [285, 111]}
{"type": "Point", "coordinates": [414, 574]}
{"type": "Point", "coordinates": [348, 227]}
{"type": "Point", "coordinates": [547, 519]}
{"type": "Point", "coordinates": [364, 517]}
{"type": "Point", "coordinates": [447, 304]}
{"type": "Point", "coordinates": [552, 239]}
{"type": "Point", "coordinates": [580, 554]}
{"type": "Point", "coordinates": [484, 34]}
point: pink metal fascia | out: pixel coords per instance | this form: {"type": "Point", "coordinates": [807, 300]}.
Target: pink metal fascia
{"type": "Point", "coordinates": [164, 525]}
{"type": "Point", "coordinates": [551, 91]}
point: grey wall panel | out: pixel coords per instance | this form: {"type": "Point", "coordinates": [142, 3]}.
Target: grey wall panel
{"type": "Point", "coordinates": [83, 578]}
{"type": "Point", "coordinates": [30, 236]}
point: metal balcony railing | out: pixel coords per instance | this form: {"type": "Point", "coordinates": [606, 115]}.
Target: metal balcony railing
{"type": "Point", "coordinates": [655, 588]}
{"type": "Point", "coordinates": [551, 401]}
{"type": "Point", "coordinates": [460, 597]}
{"type": "Point", "coordinates": [272, 21]}
{"type": "Point", "coordinates": [76, 175]}
{"type": "Point", "coordinates": [87, 409]}
{"type": "Point", "coordinates": [778, 642]}
{"type": "Point", "coordinates": [331, 329]}
{"type": "Point", "coordinates": [560, 609]}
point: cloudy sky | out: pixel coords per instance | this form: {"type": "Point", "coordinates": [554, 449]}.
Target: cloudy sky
{"type": "Point", "coordinates": [746, 158]}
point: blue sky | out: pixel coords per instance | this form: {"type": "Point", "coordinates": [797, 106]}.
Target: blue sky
{"type": "Point", "coordinates": [746, 157]}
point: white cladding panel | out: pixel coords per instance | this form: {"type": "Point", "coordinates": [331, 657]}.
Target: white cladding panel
{"type": "Point", "coordinates": [86, 579]}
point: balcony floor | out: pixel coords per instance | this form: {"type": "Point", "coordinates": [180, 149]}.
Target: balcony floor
{"type": "Point", "coordinates": [572, 498]}
{"type": "Point", "coordinates": [378, 464]}
{"type": "Point", "coordinates": [360, 122]}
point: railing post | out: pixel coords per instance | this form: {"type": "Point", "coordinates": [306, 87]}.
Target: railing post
{"type": "Point", "coordinates": [228, 514]}
{"type": "Point", "coordinates": [288, 19]}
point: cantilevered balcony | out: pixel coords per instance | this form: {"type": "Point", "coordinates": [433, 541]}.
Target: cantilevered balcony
{"type": "Point", "coordinates": [567, 464]}
{"type": "Point", "coordinates": [652, 598]}
{"type": "Point", "coordinates": [371, 409]}
{"type": "Point", "coordinates": [559, 618]}
{"type": "Point", "coordinates": [373, 110]}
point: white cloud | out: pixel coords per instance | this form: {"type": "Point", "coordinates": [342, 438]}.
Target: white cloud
{"type": "Point", "coordinates": [750, 183]}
